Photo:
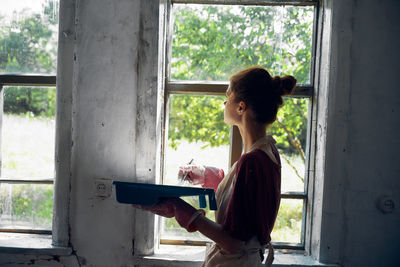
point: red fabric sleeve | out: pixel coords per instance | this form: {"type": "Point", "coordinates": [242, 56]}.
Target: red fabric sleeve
{"type": "Point", "coordinates": [255, 199]}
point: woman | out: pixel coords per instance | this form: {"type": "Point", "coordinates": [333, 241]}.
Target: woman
{"type": "Point", "coordinates": [248, 197]}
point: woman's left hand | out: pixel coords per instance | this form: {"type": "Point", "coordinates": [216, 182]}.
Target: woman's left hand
{"type": "Point", "coordinates": [184, 213]}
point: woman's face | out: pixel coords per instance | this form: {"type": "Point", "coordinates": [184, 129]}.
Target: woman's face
{"type": "Point", "coordinates": [231, 116]}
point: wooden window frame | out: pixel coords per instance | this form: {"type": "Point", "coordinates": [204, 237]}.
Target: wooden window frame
{"type": "Point", "coordinates": [219, 88]}
{"type": "Point", "coordinates": [33, 81]}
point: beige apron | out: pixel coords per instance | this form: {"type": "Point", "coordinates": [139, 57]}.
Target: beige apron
{"type": "Point", "coordinates": [249, 254]}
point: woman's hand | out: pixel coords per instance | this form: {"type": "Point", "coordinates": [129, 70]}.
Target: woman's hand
{"type": "Point", "coordinates": [163, 208]}
{"type": "Point", "coordinates": [183, 212]}
{"type": "Point", "coordinates": [194, 220]}
{"type": "Point", "coordinates": [206, 176]}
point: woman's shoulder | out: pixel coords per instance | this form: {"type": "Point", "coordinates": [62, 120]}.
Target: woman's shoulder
{"type": "Point", "coordinates": [254, 156]}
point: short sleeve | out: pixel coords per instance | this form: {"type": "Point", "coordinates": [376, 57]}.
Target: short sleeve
{"type": "Point", "coordinates": [255, 199]}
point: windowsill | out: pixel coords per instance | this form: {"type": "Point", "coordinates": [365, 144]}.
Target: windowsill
{"type": "Point", "coordinates": [169, 255]}
{"type": "Point", "coordinates": [31, 244]}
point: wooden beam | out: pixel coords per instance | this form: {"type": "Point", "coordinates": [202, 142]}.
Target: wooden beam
{"type": "Point", "coordinates": [250, 2]}
{"type": "Point", "coordinates": [27, 181]}
{"type": "Point", "coordinates": [27, 80]}
{"type": "Point", "coordinates": [219, 88]}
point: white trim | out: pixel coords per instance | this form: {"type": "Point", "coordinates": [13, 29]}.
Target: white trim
{"type": "Point", "coordinates": [63, 150]}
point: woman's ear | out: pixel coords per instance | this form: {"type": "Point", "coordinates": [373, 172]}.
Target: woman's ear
{"type": "Point", "coordinates": [241, 107]}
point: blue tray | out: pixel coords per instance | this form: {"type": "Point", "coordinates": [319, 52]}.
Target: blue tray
{"type": "Point", "coordinates": [150, 194]}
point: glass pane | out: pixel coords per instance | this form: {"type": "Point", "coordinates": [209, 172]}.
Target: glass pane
{"type": "Point", "coordinates": [290, 133]}
{"type": "Point", "coordinates": [28, 36]}
{"type": "Point", "coordinates": [28, 132]}
{"type": "Point", "coordinates": [212, 42]}
{"type": "Point", "coordinates": [26, 206]}
{"type": "Point", "coordinates": [288, 224]}
{"type": "Point", "coordinates": [196, 130]}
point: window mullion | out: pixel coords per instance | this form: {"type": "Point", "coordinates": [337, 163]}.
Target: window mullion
{"type": "Point", "coordinates": [293, 195]}
{"type": "Point", "coordinates": [198, 87]}
{"type": "Point", "coordinates": [28, 80]}
{"type": "Point", "coordinates": [219, 88]}
{"type": "Point", "coordinates": [1, 125]}
{"type": "Point", "coordinates": [26, 231]}
{"type": "Point", "coordinates": [27, 181]}
{"type": "Point", "coordinates": [249, 2]}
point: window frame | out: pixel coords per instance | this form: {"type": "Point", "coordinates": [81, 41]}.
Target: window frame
{"type": "Point", "coordinates": [63, 81]}
{"type": "Point", "coordinates": [219, 88]}
{"type": "Point", "coordinates": [33, 81]}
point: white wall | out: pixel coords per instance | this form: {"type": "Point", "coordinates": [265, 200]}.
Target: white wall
{"type": "Point", "coordinates": [362, 135]}
{"type": "Point", "coordinates": [103, 122]}
{"type": "Point", "coordinates": [362, 124]}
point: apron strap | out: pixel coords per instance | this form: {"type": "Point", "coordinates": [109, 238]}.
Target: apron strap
{"type": "Point", "coordinates": [270, 257]}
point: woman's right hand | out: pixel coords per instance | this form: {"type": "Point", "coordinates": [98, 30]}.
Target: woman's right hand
{"type": "Point", "coordinates": [206, 176]}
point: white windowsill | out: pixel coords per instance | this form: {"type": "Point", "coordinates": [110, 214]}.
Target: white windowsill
{"type": "Point", "coordinates": [30, 244]}
{"type": "Point", "coordinates": [169, 255]}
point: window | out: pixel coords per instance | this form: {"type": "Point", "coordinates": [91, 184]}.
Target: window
{"type": "Point", "coordinates": [205, 46]}
{"type": "Point", "coordinates": [28, 51]}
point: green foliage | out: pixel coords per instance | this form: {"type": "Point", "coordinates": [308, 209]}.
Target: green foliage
{"type": "Point", "coordinates": [23, 46]}
{"type": "Point", "coordinates": [38, 101]}
{"type": "Point", "coordinates": [213, 42]}
{"type": "Point", "coordinates": [290, 128]}
{"type": "Point", "coordinates": [28, 44]}
{"type": "Point", "coordinates": [29, 203]}
{"type": "Point", "coordinates": [289, 214]}
{"type": "Point", "coordinates": [196, 118]}
{"type": "Point", "coordinates": [287, 226]}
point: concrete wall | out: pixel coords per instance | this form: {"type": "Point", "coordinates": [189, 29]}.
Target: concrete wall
{"type": "Point", "coordinates": [361, 136]}
{"type": "Point", "coordinates": [358, 116]}
{"type": "Point", "coordinates": [104, 128]}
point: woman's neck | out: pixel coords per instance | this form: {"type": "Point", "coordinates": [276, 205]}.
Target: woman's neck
{"type": "Point", "coordinates": [251, 132]}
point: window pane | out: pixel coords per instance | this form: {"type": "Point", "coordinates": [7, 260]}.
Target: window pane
{"type": "Point", "coordinates": [26, 206]}
{"type": "Point", "coordinates": [28, 131]}
{"type": "Point", "coordinates": [289, 222]}
{"type": "Point", "coordinates": [196, 130]}
{"type": "Point", "coordinates": [212, 42]}
{"type": "Point", "coordinates": [28, 36]}
{"type": "Point", "coordinates": [290, 133]}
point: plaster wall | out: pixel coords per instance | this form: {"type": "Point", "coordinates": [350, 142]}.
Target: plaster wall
{"type": "Point", "coordinates": [356, 137]}
{"type": "Point", "coordinates": [104, 128]}
{"type": "Point", "coordinates": [362, 141]}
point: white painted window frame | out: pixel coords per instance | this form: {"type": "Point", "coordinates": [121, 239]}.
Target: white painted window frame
{"type": "Point", "coordinates": [63, 137]}
{"type": "Point", "coordinates": [35, 81]}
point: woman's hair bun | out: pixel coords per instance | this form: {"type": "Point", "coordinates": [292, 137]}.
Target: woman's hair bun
{"type": "Point", "coordinates": [287, 84]}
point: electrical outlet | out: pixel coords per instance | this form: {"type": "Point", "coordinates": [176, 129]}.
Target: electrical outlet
{"type": "Point", "coordinates": [102, 188]}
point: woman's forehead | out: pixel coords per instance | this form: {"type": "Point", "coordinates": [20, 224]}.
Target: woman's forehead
{"type": "Point", "coordinates": [228, 91]}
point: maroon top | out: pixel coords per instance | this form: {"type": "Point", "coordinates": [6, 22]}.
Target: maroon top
{"type": "Point", "coordinates": [255, 199]}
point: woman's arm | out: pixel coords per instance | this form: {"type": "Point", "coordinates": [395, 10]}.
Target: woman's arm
{"type": "Point", "coordinates": [193, 220]}
{"type": "Point", "coordinates": [215, 232]}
